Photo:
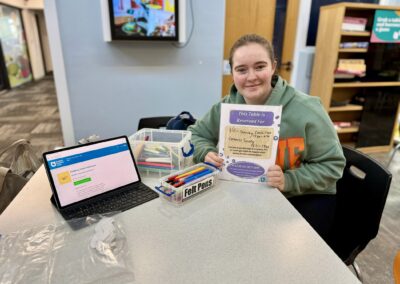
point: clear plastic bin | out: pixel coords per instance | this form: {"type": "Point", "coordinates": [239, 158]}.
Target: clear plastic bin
{"type": "Point", "coordinates": [202, 179]}
{"type": "Point", "coordinates": [162, 151]}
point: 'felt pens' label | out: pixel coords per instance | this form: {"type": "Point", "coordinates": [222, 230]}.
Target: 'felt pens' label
{"type": "Point", "coordinates": [197, 187]}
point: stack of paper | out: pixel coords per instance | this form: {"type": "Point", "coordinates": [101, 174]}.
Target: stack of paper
{"type": "Point", "coordinates": [350, 68]}
{"type": "Point", "coordinates": [345, 124]}
{"type": "Point", "coordinates": [354, 24]}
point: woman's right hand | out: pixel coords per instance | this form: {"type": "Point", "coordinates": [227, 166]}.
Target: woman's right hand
{"type": "Point", "coordinates": [214, 159]}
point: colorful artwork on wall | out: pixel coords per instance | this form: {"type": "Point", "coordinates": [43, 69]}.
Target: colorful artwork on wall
{"type": "Point", "coordinates": [15, 50]}
{"type": "Point", "coordinates": [144, 19]}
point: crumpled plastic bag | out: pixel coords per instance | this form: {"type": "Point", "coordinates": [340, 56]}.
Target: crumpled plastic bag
{"type": "Point", "coordinates": [23, 160]}
{"type": "Point", "coordinates": [57, 254]}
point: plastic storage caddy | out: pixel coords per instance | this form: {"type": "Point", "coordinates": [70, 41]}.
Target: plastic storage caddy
{"type": "Point", "coordinates": [162, 151]}
{"type": "Point", "coordinates": [184, 185]}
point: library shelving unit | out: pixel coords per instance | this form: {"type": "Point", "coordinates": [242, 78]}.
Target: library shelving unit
{"type": "Point", "coordinates": [374, 121]}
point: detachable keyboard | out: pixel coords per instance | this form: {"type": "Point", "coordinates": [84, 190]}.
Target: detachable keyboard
{"type": "Point", "coordinates": [124, 200]}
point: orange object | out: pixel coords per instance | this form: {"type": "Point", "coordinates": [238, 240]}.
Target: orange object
{"type": "Point", "coordinates": [396, 268]}
{"type": "Point", "coordinates": [189, 173]}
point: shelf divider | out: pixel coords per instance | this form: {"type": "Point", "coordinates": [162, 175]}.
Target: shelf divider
{"type": "Point", "coordinates": [355, 33]}
{"type": "Point", "coordinates": [352, 129]}
{"type": "Point", "coordinates": [348, 107]}
{"type": "Point", "coordinates": [353, 50]}
{"type": "Point", "coordinates": [366, 84]}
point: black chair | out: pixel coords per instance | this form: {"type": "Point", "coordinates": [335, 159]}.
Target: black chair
{"type": "Point", "coordinates": [154, 122]}
{"type": "Point", "coordinates": [361, 198]}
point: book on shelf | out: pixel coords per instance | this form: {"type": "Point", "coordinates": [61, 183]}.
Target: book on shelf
{"type": "Point", "coordinates": [344, 75]}
{"type": "Point", "coordinates": [350, 67]}
{"type": "Point", "coordinates": [360, 44]}
{"type": "Point", "coordinates": [345, 124]}
{"type": "Point", "coordinates": [354, 24]}
{"type": "Point", "coordinates": [341, 124]}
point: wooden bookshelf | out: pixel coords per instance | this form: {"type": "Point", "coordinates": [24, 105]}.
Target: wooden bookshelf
{"type": "Point", "coordinates": [366, 84]}
{"type": "Point", "coordinates": [327, 55]}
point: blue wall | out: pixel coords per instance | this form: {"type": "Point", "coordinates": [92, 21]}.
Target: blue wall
{"type": "Point", "coordinates": [112, 85]}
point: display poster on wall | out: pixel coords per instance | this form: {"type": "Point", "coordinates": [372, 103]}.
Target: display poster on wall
{"type": "Point", "coordinates": [15, 50]}
{"type": "Point", "coordinates": [386, 27]}
{"type": "Point", "coordinates": [248, 141]}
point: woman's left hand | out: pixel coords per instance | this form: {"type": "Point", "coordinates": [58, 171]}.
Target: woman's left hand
{"type": "Point", "coordinates": [275, 177]}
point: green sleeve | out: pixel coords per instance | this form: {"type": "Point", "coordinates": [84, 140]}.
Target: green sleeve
{"type": "Point", "coordinates": [205, 133]}
{"type": "Point", "coordinates": [322, 164]}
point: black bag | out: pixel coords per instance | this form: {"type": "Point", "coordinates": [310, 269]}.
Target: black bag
{"type": "Point", "coordinates": [181, 122]}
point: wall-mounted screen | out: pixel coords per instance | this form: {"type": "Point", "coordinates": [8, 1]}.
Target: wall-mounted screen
{"type": "Point", "coordinates": [144, 19]}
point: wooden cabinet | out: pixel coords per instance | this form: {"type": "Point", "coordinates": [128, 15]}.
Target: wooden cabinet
{"type": "Point", "coordinates": [381, 59]}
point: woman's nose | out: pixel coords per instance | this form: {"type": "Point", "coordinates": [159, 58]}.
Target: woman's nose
{"type": "Point", "coordinates": [251, 75]}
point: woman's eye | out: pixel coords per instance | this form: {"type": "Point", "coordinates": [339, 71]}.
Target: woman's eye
{"type": "Point", "coordinates": [241, 70]}
{"type": "Point", "coordinates": [260, 67]}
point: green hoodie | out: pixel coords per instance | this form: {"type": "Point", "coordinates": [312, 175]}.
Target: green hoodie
{"type": "Point", "coordinates": [309, 151]}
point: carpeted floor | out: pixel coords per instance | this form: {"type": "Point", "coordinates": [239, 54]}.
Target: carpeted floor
{"type": "Point", "coordinates": [31, 112]}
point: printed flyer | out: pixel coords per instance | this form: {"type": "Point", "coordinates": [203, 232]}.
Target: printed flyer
{"type": "Point", "coordinates": [248, 141]}
{"type": "Point", "coordinates": [386, 27]}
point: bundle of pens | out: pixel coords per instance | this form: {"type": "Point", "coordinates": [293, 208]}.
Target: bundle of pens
{"type": "Point", "coordinates": [185, 178]}
{"type": "Point", "coordinates": [161, 151]}
{"type": "Point", "coordinates": [156, 156]}
{"type": "Point", "coordinates": [186, 183]}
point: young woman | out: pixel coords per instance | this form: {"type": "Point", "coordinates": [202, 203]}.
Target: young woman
{"type": "Point", "coordinates": [310, 158]}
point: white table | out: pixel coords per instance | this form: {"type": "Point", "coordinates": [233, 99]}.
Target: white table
{"type": "Point", "coordinates": [234, 233]}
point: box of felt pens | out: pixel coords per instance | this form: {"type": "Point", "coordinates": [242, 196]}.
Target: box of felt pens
{"type": "Point", "coordinates": [162, 151]}
{"type": "Point", "coordinates": [184, 185]}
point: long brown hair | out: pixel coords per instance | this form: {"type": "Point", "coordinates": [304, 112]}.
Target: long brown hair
{"type": "Point", "coordinates": [252, 38]}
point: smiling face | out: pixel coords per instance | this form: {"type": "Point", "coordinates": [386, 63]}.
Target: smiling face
{"type": "Point", "coordinates": [252, 70]}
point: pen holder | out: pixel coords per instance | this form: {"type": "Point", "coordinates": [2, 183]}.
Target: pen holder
{"type": "Point", "coordinates": [184, 185]}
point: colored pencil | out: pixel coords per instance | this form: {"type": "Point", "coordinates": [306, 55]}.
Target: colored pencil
{"type": "Point", "coordinates": [156, 164]}
{"type": "Point", "coordinates": [158, 160]}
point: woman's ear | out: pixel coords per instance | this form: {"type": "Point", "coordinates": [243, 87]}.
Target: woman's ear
{"type": "Point", "coordinates": [274, 64]}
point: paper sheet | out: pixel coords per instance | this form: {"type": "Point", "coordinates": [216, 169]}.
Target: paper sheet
{"type": "Point", "coordinates": [248, 141]}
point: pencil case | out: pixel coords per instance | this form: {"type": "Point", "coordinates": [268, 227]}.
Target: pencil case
{"type": "Point", "coordinates": [162, 151]}
{"type": "Point", "coordinates": [183, 185]}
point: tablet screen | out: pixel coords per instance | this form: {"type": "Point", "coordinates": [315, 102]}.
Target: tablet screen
{"type": "Point", "coordinates": [86, 171]}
